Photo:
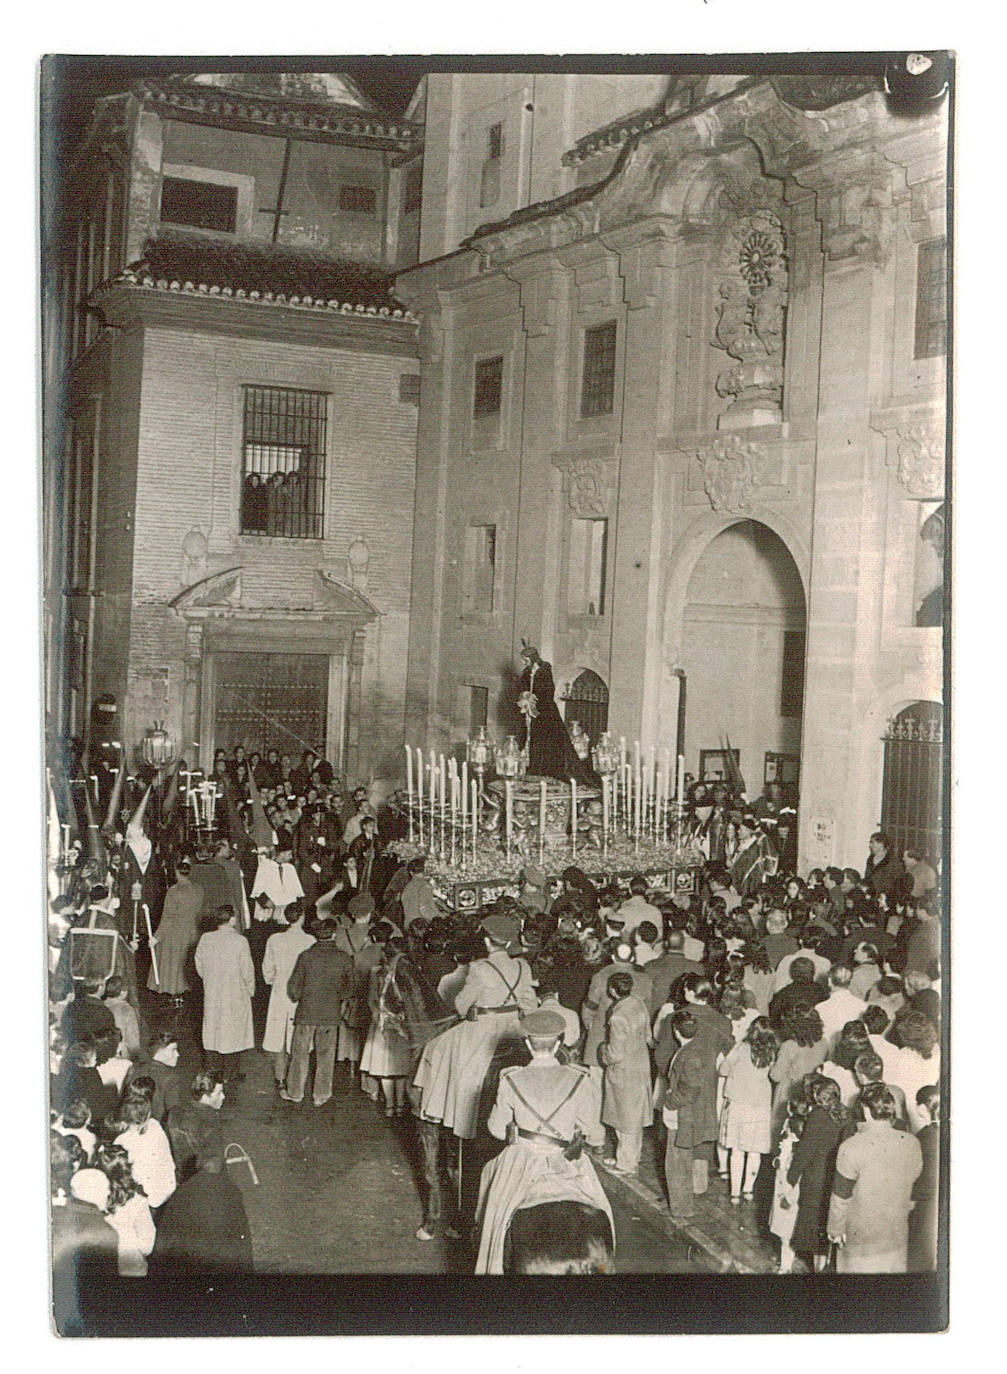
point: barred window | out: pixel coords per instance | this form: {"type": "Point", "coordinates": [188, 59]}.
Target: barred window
{"type": "Point", "coordinates": [358, 200]}
{"type": "Point", "coordinates": [931, 298]}
{"type": "Point", "coordinates": [488, 387]}
{"type": "Point", "coordinates": [199, 204]}
{"type": "Point", "coordinates": [283, 464]}
{"type": "Point", "coordinates": [478, 708]}
{"type": "Point", "coordinates": [414, 189]}
{"type": "Point", "coordinates": [598, 383]}
{"type": "Point", "coordinates": [495, 141]}
{"type": "Point", "coordinates": [409, 388]}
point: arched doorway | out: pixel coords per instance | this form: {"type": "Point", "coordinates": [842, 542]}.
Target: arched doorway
{"type": "Point", "coordinates": [587, 702]}
{"type": "Point", "coordinates": [743, 649]}
{"type": "Point", "coordinates": [911, 800]}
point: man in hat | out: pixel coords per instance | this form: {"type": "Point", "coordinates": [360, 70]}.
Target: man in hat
{"type": "Point", "coordinates": [321, 982]}
{"type": "Point", "coordinates": [546, 1111]}
{"type": "Point", "coordinates": [453, 1066]}
{"type": "Point", "coordinates": [353, 938]}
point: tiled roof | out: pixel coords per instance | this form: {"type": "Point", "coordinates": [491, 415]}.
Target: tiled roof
{"type": "Point", "coordinates": [613, 135]}
{"type": "Point", "coordinates": [192, 264]}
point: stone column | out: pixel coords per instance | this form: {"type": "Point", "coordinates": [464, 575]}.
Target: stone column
{"type": "Point", "coordinates": [646, 257]}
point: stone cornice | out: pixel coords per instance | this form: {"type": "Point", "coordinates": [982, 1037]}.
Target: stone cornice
{"type": "Point", "coordinates": [677, 168]}
{"type": "Point", "coordinates": [321, 122]}
{"type": "Point", "coordinates": [125, 304]}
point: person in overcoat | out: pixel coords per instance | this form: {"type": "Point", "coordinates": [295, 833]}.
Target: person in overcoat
{"type": "Point", "coordinates": [812, 1166]}
{"type": "Point", "coordinates": [714, 1038]}
{"type": "Point", "coordinates": [627, 1103]}
{"type": "Point", "coordinates": [688, 1113]}
{"type": "Point", "coordinates": [177, 935]}
{"type": "Point", "coordinates": [204, 1226]}
{"type": "Point", "coordinates": [872, 1190]}
{"type": "Point", "coordinates": [281, 954]}
{"type": "Point", "coordinates": [224, 962]}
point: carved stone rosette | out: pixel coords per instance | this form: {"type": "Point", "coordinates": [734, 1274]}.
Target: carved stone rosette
{"type": "Point", "coordinates": [732, 468]}
{"type": "Point", "coordinates": [751, 317]}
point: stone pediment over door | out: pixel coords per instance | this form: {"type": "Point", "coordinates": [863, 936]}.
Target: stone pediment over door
{"type": "Point", "coordinates": [221, 597]}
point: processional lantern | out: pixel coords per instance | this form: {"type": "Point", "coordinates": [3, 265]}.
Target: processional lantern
{"type": "Point", "coordinates": [510, 759]}
{"type": "Point", "coordinates": [605, 755]}
{"type": "Point", "coordinates": [157, 747]}
{"type": "Point", "coordinates": [478, 751]}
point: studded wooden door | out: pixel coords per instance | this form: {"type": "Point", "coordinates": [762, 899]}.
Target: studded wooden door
{"type": "Point", "coordinates": [271, 701]}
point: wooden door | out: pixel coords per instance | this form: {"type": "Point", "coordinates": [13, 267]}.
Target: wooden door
{"type": "Point", "coordinates": [266, 701]}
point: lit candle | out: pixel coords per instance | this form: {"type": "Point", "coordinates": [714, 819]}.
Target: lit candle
{"type": "Point", "coordinates": [465, 790]}
{"type": "Point", "coordinates": [680, 785]}
{"type": "Point", "coordinates": [475, 813]}
{"type": "Point", "coordinates": [94, 779]}
{"type": "Point", "coordinates": [604, 813]}
{"type": "Point", "coordinates": [508, 814]}
{"type": "Point", "coordinates": [454, 810]}
{"type": "Point", "coordinates": [419, 792]}
{"type": "Point", "coordinates": [541, 823]}
{"type": "Point", "coordinates": [409, 788]}
{"type": "Point", "coordinates": [573, 816]}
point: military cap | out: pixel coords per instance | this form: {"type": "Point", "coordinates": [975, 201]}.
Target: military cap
{"type": "Point", "coordinates": [542, 1023]}
{"type": "Point", "coordinates": [503, 929]}
{"type": "Point", "coordinates": [361, 905]}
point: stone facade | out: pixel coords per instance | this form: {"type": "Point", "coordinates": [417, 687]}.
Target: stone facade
{"type": "Point", "coordinates": [759, 261]}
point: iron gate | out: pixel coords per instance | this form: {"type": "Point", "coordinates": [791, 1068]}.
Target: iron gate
{"type": "Point", "coordinates": [587, 701]}
{"type": "Point", "coordinates": [271, 701]}
{"type": "Point", "coordinates": [912, 798]}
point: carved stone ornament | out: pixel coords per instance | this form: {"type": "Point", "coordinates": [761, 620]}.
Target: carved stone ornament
{"type": "Point", "coordinates": [915, 450]}
{"type": "Point", "coordinates": [587, 489]}
{"type": "Point", "coordinates": [732, 468]}
{"type": "Point", "coordinates": [921, 459]}
{"type": "Point", "coordinates": [358, 561]}
{"type": "Point", "coordinates": [751, 317]}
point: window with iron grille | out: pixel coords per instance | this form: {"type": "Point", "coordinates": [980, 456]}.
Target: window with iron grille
{"type": "Point", "coordinates": [358, 200]}
{"type": "Point", "coordinates": [598, 383]}
{"type": "Point", "coordinates": [495, 141]}
{"type": "Point", "coordinates": [931, 298]}
{"type": "Point", "coordinates": [409, 387]}
{"type": "Point", "coordinates": [199, 204]}
{"type": "Point", "coordinates": [413, 190]}
{"type": "Point", "coordinates": [283, 462]}
{"type": "Point", "coordinates": [488, 387]}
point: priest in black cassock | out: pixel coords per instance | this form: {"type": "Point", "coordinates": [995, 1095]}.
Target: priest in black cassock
{"type": "Point", "coordinates": [543, 732]}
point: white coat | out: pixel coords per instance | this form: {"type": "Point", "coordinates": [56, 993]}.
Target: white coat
{"type": "Point", "coordinates": [224, 962]}
{"type": "Point", "coordinates": [278, 963]}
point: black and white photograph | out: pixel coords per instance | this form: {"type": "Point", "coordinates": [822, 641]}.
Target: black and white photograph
{"type": "Point", "coordinates": [496, 522]}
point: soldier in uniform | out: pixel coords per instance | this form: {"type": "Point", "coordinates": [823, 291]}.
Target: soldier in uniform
{"type": "Point", "coordinates": [454, 1065]}
{"type": "Point", "coordinates": [546, 1111]}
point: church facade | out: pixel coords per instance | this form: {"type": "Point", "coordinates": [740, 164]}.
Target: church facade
{"type": "Point", "coordinates": [682, 426]}
{"type": "Point", "coordinates": [231, 420]}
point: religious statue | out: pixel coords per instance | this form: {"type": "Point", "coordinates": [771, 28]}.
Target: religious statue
{"type": "Point", "coordinates": [544, 736]}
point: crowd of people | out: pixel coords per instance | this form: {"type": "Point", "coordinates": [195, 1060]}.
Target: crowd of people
{"type": "Point", "coordinates": [780, 1032]}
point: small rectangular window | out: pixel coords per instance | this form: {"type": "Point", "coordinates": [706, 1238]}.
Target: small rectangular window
{"type": "Point", "coordinates": [478, 708]}
{"type": "Point", "coordinates": [480, 567]}
{"type": "Point", "coordinates": [199, 204]}
{"type": "Point", "coordinates": [931, 298]}
{"type": "Point", "coordinates": [598, 381]}
{"type": "Point", "coordinates": [588, 555]}
{"type": "Point", "coordinates": [358, 200]}
{"type": "Point", "coordinates": [792, 691]}
{"type": "Point", "coordinates": [413, 190]}
{"type": "Point", "coordinates": [495, 140]}
{"type": "Point", "coordinates": [488, 387]}
{"type": "Point", "coordinates": [409, 388]}
{"type": "Point", "coordinates": [283, 477]}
